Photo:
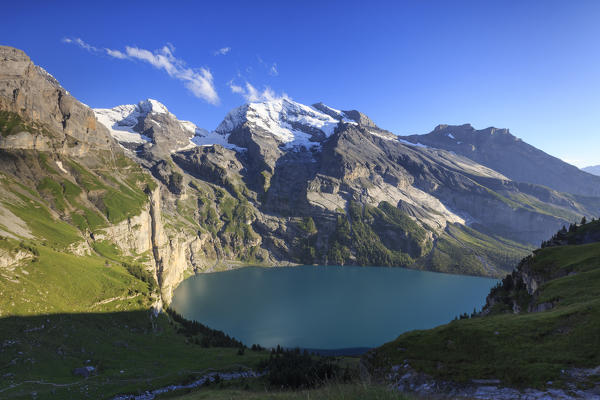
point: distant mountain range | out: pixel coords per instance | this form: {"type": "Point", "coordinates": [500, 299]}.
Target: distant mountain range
{"type": "Point", "coordinates": [276, 183]}
{"type": "Point", "coordinates": [595, 170]}
{"type": "Point", "coordinates": [500, 150]}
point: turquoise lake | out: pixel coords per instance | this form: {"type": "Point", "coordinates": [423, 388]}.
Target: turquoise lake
{"type": "Point", "coordinates": [326, 307]}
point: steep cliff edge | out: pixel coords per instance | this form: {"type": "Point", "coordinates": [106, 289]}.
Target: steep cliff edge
{"type": "Point", "coordinates": [522, 290]}
{"type": "Point", "coordinates": [34, 96]}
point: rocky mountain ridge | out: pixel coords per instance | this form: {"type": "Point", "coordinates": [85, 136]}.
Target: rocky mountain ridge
{"type": "Point", "coordinates": [500, 150]}
{"type": "Point", "coordinates": [283, 159]}
{"type": "Point", "coordinates": [277, 183]}
{"type": "Point", "coordinates": [594, 170]}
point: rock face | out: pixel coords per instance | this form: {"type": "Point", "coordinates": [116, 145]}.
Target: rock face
{"type": "Point", "coordinates": [68, 126]}
{"type": "Point", "coordinates": [47, 135]}
{"type": "Point", "coordinates": [519, 290]}
{"type": "Point", "coordinates": [500, 150]}
{"type": "Point", "coordinates": [290, 160]}
{"type": "Point", "coordinates": [132, 236]}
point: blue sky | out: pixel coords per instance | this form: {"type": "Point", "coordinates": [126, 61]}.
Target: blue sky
{"type": "Point", "coordinates": [530, 66]}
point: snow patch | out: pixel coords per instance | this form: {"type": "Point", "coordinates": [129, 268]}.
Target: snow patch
{"type": "Point", "coordinates": [374, 133]}
{"type": "Point", "coordinates": [189, 127]}
{"type": "Point", "coordinates": [61, 167]}
{"type": "Point", "coordinates": [210, 139]}
{"type": "Point", "coordinates": [336, 111]}
{"type": "Point", "coordinates": [153, 106]}
{"type": "Point", "coordinates": [339, 115]}
{"type": "Point", "coordinates": [413, 144]}
{"type": "Point", "coordinates": [451, 136]}
{"type": "Point", "coordinates": [120, 123]}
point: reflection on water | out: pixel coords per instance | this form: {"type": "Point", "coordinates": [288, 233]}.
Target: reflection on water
{"type": "Point", "coordinates": [326, 307]}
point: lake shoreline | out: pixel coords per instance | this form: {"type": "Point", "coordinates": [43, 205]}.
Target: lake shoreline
{"type": "Point", "coordinates": [326, 309]}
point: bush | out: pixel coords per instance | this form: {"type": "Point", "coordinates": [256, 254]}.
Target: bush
{"type": "Point", "coordinates": [30, 248]}
{"type": "Point", "coordinates": [210, 337]}
{"type": "Point", "coordinates": [140, 272]}
{"type": "Point", "coordinates": [294, 370]}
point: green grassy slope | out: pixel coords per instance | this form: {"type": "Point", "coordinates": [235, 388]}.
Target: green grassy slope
{"type": "Point", "coordinates": [381, 236]}
{"type": "Point", "coordinates": [58, 209]}
{"type": "Point", "coordinates": [525, 349]}
{"type": "Point", "coordinates": [463, 250]}
{"type": "Point", "coordinates": [132, 354]}
{"type": "Point", "coordinates": [59, 310]}
{"type": "Point", "coordinates": [51, 281]}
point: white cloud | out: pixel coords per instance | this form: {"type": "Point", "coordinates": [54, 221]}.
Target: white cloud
{"type": "Point", "coordinates": [271, 69]}
{"type": "Point", "coordinates": [235, 88]}
{"type": "Point", "coordinates": [251, 94]}
{"type": "Point", "coordinates": [199, 81]}
{"type": "Point", "coordinates": [222, 51]}
{"type": "Point", "coordinates": [80, 43]}
{"type": "Point", "coordinates": [116, 54]}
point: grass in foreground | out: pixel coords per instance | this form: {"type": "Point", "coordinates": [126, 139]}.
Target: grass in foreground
{"type": "Point", "coordinates": [60, 312]}
{"type": "Point", "coordinates": [132, 354]}
{"type": "Point", "coordinates": [351, 391]}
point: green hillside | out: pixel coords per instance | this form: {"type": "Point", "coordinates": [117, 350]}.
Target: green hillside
{"type": "Point", "coordinates": [528, 348]}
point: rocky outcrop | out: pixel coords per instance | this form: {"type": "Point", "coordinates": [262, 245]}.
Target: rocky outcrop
{"type": "Point", "coordinates": [29, 91]}
{"type": "Point", "coordinates": [171, 254]}
{"type": "Point", "coordinates": [519, 291]}
{"type": "Point", "coordinates": [405, 379]}
{"type": "Point", "coordinates": [132, 236]}
{"type": "Point", "coordinates": [214, 164]}
{"type": "Point", "coordinates": [11, 258]}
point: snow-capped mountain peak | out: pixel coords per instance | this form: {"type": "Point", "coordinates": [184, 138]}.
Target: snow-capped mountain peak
{"type": "Point", "coordinates": [290, 123]}
{"type": "Point", "coordinates": [152, 106]}
{"type": "Point", "coordinates": [121, 120]}
{"type": "Point", "coordinates": [293, 125]}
